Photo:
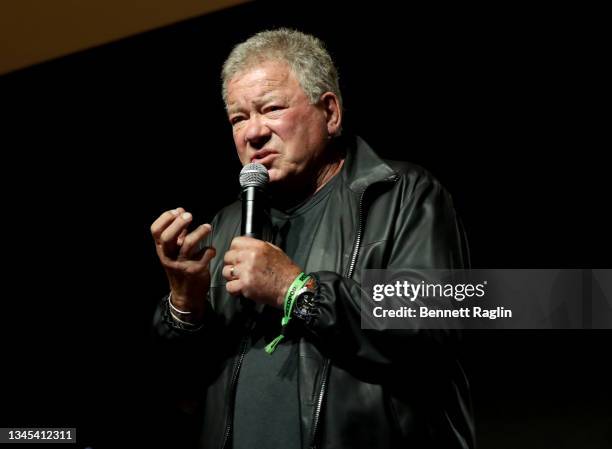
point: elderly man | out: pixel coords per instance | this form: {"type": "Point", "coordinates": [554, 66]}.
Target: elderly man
{"type": "Point", "coordinates": [336, 208]}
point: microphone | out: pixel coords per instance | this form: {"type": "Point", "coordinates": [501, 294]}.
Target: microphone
{"type": "Point", "coordinates": [253, 180]}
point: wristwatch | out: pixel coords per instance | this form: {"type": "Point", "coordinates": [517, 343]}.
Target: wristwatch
{"type": "Point", "coordinates": [305, 307]}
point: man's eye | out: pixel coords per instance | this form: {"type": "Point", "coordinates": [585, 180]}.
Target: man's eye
{"type": "Point", "coordinates": [236, 120]}
{"type": "Point", "coordinates": [273, 108]}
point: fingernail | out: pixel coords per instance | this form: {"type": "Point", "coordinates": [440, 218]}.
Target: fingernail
{"type": "Point", "coordinates": [186, 216]}
{"type": "Point", "coordinates": [174, 212]}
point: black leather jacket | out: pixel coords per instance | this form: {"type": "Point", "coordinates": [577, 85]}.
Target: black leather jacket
{"type": "Point", "coordinates": [357, 388]}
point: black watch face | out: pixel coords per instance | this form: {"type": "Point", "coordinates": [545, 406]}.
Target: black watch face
{"type": "Point", "coordinates": [306, 296]}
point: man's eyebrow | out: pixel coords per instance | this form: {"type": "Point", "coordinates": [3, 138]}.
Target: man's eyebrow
{"type": "Point", "coordinates": [233, 108]}
{"type": "Point", "coordinates": [271, 97]}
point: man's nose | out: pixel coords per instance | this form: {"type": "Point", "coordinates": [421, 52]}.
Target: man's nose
{"type": "Point", "coordinates": [257, 133]}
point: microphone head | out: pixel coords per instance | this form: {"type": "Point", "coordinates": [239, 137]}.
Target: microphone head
{"type": "Point", "coordinates": [253, 175]}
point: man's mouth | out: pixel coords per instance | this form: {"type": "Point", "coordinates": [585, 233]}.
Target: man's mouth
{"type": "Point", "coordinates": [264, 157]}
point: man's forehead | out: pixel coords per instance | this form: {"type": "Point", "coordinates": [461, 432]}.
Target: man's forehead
{"type": "Point", "coordinates": [259, 84]}
{"type": "Point", "coordinates": [264, 77]}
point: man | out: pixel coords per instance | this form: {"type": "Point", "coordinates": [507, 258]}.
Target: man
{"type": "Point", "coordinates": [336, 209]}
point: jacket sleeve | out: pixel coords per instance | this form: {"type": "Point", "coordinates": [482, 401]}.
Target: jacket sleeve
{"type": "Point", "coordinates": [425, 236]}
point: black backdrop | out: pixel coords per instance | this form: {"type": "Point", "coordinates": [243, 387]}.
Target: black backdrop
{"type": "Point", "coordinates": [97, 144]}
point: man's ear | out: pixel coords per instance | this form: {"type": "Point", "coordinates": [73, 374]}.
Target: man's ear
{"type": "Point", "coordinates": [333, 114]}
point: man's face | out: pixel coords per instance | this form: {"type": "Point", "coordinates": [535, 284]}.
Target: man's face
{"type": "Point", "coordinates": [273, 122]}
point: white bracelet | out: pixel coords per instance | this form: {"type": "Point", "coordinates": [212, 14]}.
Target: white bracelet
{"type": "Point", "coordinates": [184, 325]}
{"type": "Point", "coordinates": [177, 319]}
{"type": "Point", "coordinates": [179, 311]}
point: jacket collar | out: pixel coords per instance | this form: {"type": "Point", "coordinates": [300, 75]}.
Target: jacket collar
{"type": "Point", "coordinates": [363, 167]}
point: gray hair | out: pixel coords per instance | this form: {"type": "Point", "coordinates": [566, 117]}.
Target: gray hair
{"type": "Point", "coordinates": [305, 54]}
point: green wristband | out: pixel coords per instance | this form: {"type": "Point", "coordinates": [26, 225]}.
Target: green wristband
{"type": "Point", "coordinates": [295, 287]}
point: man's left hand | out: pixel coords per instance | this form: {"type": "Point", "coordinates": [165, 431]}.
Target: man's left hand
{"type": "Point", "coordinates": [258, 271]}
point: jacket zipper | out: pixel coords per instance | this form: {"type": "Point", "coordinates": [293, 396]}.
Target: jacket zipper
{"type": "Point", "coordinates": [351, 266]}
{"type": "Point", "coordinates": [232, 391]}
{"type": "Point", "coordinates": [319, 406]}
{"type": "Point", "coordinates": [348, 275]}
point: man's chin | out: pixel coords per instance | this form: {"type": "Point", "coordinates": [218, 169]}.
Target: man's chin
{"type": "Point", "coordinates": [279, 185]}
{"type": "Point", "coordinates": [275, 176]}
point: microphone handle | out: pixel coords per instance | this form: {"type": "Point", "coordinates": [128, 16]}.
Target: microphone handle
{"type": "Point", "coordinates": [253, 207]}
{"type": "Point", "coordinates": [253, 213]}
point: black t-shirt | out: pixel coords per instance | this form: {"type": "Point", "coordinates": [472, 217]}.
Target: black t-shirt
{"type": "Point", "coordinates": [267, 409]}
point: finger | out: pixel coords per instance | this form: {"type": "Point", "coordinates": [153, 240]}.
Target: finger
{"type": "Point", "coordinates": [181, 237]}
{"type": "Point", "coordinates": [234, 288]}
{"type": "Point", "coordinates": [191, 241]}
{"type": "Point", "coordinates": [242, 242]}
{"type": "Point", "coordinates": [163, 221]}
{"type": "Point", "coordinates": [225, 272]}
{"type": "Point", "coordinates": [230, 272]}
{"type": "Point", "coordinates": [231, 257]}
{"type": "Point", "coordinates": [168, 238]}
{"type": "Point", "coordinates": [207, 256]}
{"type": "Point", "coordinates": [274, 246]}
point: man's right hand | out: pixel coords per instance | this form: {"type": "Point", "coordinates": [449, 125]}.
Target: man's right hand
{"type": "Point", "coordinates": [187, 268]}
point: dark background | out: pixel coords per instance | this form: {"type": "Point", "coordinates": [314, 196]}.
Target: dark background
{"type": "Point", "coordinates": [494, 101]}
